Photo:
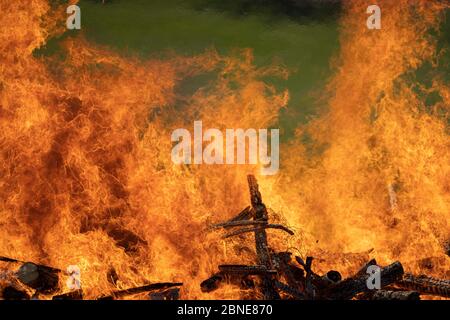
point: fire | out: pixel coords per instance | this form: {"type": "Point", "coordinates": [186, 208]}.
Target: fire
{"type": "Point", "coordinates": [86, 177]}
{"type": "Point", "coordinates": [380, 177]}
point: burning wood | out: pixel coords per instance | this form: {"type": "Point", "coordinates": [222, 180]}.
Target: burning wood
{"type": "Point", "coordinates": [391, 295]}
{"type": "Point", "coordinates": [214, 282]}
{"type": "Point", "coordinates": [262, 249]}
{"type": "Point", "coordinates": [293, 275]}
{"type": "Point", "coordinates": [280, 276]}
{"type": "Point", "coordinates": [425, 284]}
{"type": "Point", "coordinates": [350, 287]}
{"type": "Point", "coordinates": [73, 295]}
{"type": "Point", "coordinates": [243, 269]}
{"type": "Point", "coordinates": [13, 293]}
{"type": "Point", "coordinates": [169, 294]}
{"type": "Point", "coordinates": [247, 213]}
{"type": "Point", "coordinates": [45, 280]}
{"type": "Point", "coordinates": [292, 291]}
{"type": "Point", "coordinates": [147, 288]}
{"type": "Point", "coordinates": [41, 278]}
{"type": "Point", "coordinates": [302, 282]}
{"type": "Point", "coordinates": [259, 227]}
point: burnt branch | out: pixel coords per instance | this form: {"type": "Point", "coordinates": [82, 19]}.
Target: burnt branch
{"type": "Point", "coordinates": [295, 293]}
{"type": "Point", "coordinates": [258, 228]}
{"type": "Point", "coordinates": [262, 249]}
{"type": "Point", "coordinates": [41, 278]}
{"type": "Point", "coordinates": [142, 289]}
{"type": "Point", "coordinates": [350, 287]}
{"type": "Point", "coordinates": [425, 285]}
{"type": "Point", "coordinates": [240, 279]}
{"type": "Point", "coordinates": [390, 295]}
{"type": "Point", "coordinates": [241, 223]}
{"type": "Point", "coordinates": [244, 269]}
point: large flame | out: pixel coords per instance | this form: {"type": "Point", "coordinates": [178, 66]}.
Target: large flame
{"type": "Point", "coordinates": [86, 177]}
{"type": "Point", "coordinates": [379, 174]}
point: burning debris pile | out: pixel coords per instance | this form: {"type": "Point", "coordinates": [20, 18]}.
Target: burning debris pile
{"type": "Point", "coordinates": [36, 281]}
{"type": "Point", "coordinates": [87, 179]}
{"type": "Point", "coordinates": [276, 275]}
{"type": "Point", "coordinates": [281, 276]}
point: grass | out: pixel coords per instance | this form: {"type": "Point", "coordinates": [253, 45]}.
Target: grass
{"type": "Point", "coordinates": [303, 43]}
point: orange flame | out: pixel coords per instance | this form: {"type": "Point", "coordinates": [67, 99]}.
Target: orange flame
{"type": "Point", "coordinates": [86, 177]}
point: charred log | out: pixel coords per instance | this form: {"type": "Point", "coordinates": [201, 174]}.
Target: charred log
{"type": "Point", "coordinates": [212, 283]}
{"type": "Point", "coordinates": [260, 226]}
{"type": "Point", "coordinates": [350, 287]}
{"type": "Point", "coordinates": [170, 294]}
{"type": "Point", "coordinates": [293, 275]}
{"type": "Point", "coordinates": [394, 295]}
{"type": "Point", "coordinates": [332, 276]}
{"type": "Point", "coordinates": [364, 268]}
{"type": "Point", "coordinates": [142, 289]}
{"type": "Point", "coordinates": [245, 214]}
{"type": "Point", "coordinates": [310, 289]}
{"type": "Point", "coordinates": [41, 266]}
{"type": "Point", "coordinates": [244, 269]}
{"type": "Point", "coordinates": [262, 249]}
{"type": "Point", "coordinates": [41, 278]}
{"type": "Point", "coordinates": [241, 280]}
{"type": "Point", "coordinates": [425, 285]}
{"type": "Point", "coordinates": [73, 295]}
{"type": "Point", "coordinates": [293, 292]}
{"type": "Point", "coordinates": [12, 293]}
{"type": "Point", "coordinates": [239, 223]}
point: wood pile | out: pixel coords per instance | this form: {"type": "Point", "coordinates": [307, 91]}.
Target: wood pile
{"type": "Point", "coordinates": [280, 275]}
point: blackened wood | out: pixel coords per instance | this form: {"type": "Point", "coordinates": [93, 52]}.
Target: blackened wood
{"type": "Point", "coordinates": [316, 281]}
{"type": "Point", "coordinates": [12, 293]}
{"type": "Point", "coordinates": [323, 282]}
{"type": "Point", "coordinates": [212, 283]}
{"type": "Point", "coordinates": [425, 285]}
{"type": "Point", "coordinates": [245, 214]}
{"type": "Point", "coordinates": [300, 261]}
{"type": "Point", "coordinates": [51, 269]}
{"type": "Point", "coordinates": [142, 289]}
{"type": "Point", "coordinates": [332, 276]}
{"type": "Point", "coordinates": [363, 269]}
{"type": "Point", "coordinates": [6, 259]}
{"type": "Point", "coordinates": [41, 278]}
{"type": "Point", "coordinates": [260, 226]}
{"type": "Point", "coordinates": [395, 295]}
{"type": "Point", "coordinates": [293, 275]}
{"type": "Point", "coordinates": [245, 269]}
{"type": "Point", "coordinates": [240, 223]}
{"type": "Point", "coordinates": [262, 250]}
{"type": "Point", "coordinates": [309, 287]}
{"type": "Point", "coordinates": [350, 287]}
{"type": "Point", "coordinates": [292, 291]}
{"type": "Point", "coordinates": [170, 294]}
{"type": "Point", "coordinates": [72, 295]}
